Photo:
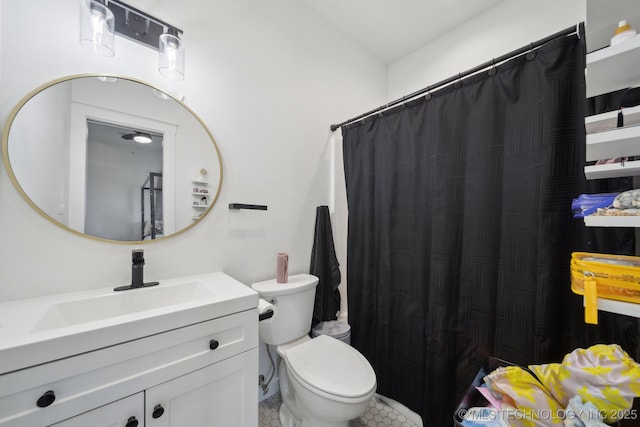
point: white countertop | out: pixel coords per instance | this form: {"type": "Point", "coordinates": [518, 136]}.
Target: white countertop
{"type": "Point", "coordinates": [39, 330]}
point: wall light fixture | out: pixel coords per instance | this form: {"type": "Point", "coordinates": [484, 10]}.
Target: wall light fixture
{"type": "Point", "coordinates": [100, 19]}
{"type": "Point", "coordinates": [140, 137]}
{"type": "Point", "coordinates": [171, 57]}
{"type": "Point", "coordinates": [96, 28]}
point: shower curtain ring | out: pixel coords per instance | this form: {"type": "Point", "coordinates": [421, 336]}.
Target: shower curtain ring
{"type": "Point", "coordinates": [381, 109]}
{"type": "Point", "coordinates": [428, 95]}
{"type": "Point", "coordinates": [458, 82]}
{"type": "Point", "coordinates": [532, 53]}
{"type": "Point", "coordinates": [492, 71]}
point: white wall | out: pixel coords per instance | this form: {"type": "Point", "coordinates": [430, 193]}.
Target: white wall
{"type": "Point", "coordinates": [43, 163]}
{"type": "Point", "coordinates": [500, 30]}
{"type": "Point", "coordinates": [267, 78]}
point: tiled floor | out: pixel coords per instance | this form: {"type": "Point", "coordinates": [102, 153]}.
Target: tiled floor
{"type": "Point", "coordinates": [378, 414]}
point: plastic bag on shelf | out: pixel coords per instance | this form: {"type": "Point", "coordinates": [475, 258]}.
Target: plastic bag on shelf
{"type": "Point", "coordinates": [586, 204]}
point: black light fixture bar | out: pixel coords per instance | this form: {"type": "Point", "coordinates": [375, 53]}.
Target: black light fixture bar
{"type": "Point", "coordinates": [139, 26]}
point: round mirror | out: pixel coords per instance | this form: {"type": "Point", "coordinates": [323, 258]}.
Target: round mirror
{"type": "Point", "coordinates": [112, 158]}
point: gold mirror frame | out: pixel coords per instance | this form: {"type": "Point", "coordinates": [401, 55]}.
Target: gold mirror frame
{"type": "Point", "coordinates": [5, 154]}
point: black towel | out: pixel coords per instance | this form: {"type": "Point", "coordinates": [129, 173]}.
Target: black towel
{"type": "Point", "coordinates": [324, 265]}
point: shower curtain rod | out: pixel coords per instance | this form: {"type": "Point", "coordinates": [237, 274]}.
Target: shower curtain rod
{"type": "Point", "coordinates": [578, 29]}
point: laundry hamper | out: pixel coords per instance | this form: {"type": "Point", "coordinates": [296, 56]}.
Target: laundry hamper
{"type": "Point", "coordinates": [474, 398]}
{"type": "Point", "coordinates": [333, 328]}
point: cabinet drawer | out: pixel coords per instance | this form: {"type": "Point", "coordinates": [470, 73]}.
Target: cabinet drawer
{"type": "Point", "coordinates": [86, 381]}
{"type": "Point", "coordinates": [120, 413]}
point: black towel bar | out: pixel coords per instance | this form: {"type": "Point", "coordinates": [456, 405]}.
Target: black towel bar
{"type": "Point", "coordinates": [245, 206]}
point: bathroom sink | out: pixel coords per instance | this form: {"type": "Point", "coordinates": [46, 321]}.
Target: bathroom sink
{"type": "Point", "coordinates": [39, 330]}
{"type": "Point", "coordinates": [116, 304]}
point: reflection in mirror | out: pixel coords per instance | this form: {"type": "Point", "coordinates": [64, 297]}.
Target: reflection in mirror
{"type": "Point", "coordinates": [124, 183]}
{"type": "Point", "coordinates": [76, 149]}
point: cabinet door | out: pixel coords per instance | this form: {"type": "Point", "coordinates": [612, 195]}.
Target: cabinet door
{"type": "Point", "coordinates": [127, 412]}
{"type": "Point", "coordinates": [223, 395]}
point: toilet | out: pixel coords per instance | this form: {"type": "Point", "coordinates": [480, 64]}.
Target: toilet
{"type": "Point", "coordinates": [324, 382]}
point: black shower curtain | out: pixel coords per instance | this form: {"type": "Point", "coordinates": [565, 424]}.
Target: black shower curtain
{"type": "Point", "coordinates": [460, 229]}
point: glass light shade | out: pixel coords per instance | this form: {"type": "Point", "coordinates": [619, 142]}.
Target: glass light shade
{"type": "Point", "coordinates": [143, 138]}
{"type": "Point", "coordinates": [107, 79]}
{"type": "Point", "coordinates": [171, 57]}
{"type": "Point", "coordinates": [161, 95]}
{"type": "Point", "coordinates": [97, 28]}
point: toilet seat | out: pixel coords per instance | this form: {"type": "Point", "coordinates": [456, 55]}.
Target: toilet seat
{"type": "Point", "coordinates": [331, 368]}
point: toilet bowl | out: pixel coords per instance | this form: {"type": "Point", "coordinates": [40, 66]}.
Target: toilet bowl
{"type": "Point", "coordinates": [324, 382]}
{"type": "Point", "coordinates": [333, 383]}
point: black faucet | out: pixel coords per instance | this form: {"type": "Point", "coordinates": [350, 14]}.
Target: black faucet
{"type": "Point", "coordinates": [137, 272]}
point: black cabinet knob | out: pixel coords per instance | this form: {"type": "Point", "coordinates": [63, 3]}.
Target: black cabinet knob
{"type": "Point", "coordinates": [131, 422]}
{"type": "Point", "coordinates": [158, 410]}
{"type": "Point", "coordinates": [213, 344]}
{"type": "Point", "coordinates": [46, 399]}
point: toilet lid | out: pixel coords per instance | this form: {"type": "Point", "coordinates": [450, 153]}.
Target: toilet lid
{"type": "Point", "coordinates": [332, 366]}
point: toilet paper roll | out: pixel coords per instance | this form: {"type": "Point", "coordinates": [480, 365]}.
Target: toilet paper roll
{"type": "Point", "coordinates": [263, 310]}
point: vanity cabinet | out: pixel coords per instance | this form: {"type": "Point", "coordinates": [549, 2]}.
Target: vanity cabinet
{"type": "Point", "coordinates": [196, 375]}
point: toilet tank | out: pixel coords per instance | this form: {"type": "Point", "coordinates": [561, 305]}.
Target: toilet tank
{"type": "Point", "coordinates": [293, 303]}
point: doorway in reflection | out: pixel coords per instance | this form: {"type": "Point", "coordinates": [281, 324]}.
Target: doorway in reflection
{"type": "Point", "coordinates": [123, 183]}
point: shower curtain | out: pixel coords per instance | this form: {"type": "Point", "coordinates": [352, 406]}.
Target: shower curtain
{"type": "Point", "coordinates": [460, 229]}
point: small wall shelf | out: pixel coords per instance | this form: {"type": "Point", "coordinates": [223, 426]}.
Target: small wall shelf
{"type": "Point", "coordinates": [618, 307]}
{"type": "Point", "coordinates": [613, 68]}
{"type": "Point", "coordinates": [611, 221]}
{"type": "Point", "coordinates": [619, 142]}
{"type": "Point", "coordinates": [605, 140]}
{"type": "Point", "coordinates": [609, 120]}
{"type": "Point", "coordinates": [200, 197]}
{"type": "Point", "coordinates": [612, 170]}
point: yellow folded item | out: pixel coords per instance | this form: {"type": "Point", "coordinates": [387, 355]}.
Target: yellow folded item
{"type": "Point", "coordinates": [535, 406]}
{"type": "Point", "coordinates": [604, 375]}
